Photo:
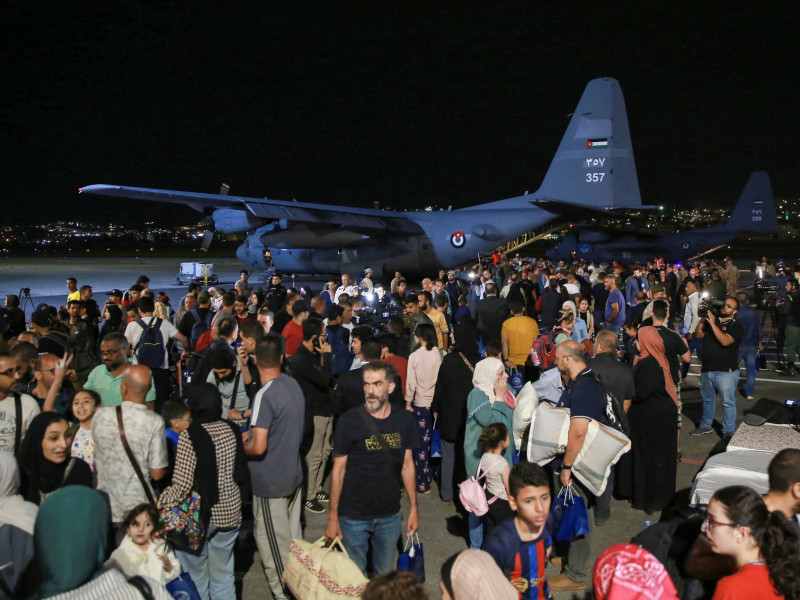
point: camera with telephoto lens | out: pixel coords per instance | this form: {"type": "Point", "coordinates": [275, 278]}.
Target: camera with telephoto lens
{"type": "Point", "coordinates": [710, 305]}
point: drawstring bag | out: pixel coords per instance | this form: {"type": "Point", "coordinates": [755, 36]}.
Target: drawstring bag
{"type": "Point", "coordinates": [436, 442]}
{"type": "Point", "coordinates": [412, 558]}
{"type": "Point", "coordinates": [569, 514]}
{"type": "Point", "coordinates": [317, 572]}
{"type": "Point", "coordinates": [473, 494]}
{"type": "Point", "coordinates": [183, 587]}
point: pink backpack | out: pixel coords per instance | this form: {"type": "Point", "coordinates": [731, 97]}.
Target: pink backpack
{"type": "Point", "coordinates": [473, 494]}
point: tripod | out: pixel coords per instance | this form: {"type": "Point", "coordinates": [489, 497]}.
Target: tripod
{"type": "Point", "coordinates": [776, 330]}
{"type": "Point", "coordinates": [25, 300]}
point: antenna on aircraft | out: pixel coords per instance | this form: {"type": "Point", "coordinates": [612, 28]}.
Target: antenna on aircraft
{"type": "Point", "coordinates": [224, 189]}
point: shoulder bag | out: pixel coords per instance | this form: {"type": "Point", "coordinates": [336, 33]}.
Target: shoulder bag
{"type": "Point", "coordinates": [134, 463]}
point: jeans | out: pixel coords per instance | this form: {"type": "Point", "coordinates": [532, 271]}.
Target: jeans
{"type": "Point", "coordinates": [749, 354]}
{"type": "Point", "coordinates": [475, 531]}
{"type": "Point", "coordinates": [212, 570]}
{"type": "Point", "coordinates": [384, 532]}
{"type": "Point", "coordinates": [612, 328]}
{"type": "Point", "coordinates": [724, 384]}
{"type": "Point", "coordinates": [696, 346]}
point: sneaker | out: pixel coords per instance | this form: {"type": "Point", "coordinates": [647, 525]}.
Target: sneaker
{"type": "Point", "coordinates": [751, 398]}
{"type": "Point", "coordinates": [601, 522]}
{"type": "Point", "coordinates": [701, 431]}
{"type": "Point", "coordinates": [322, 497]}
{"type": "Point", "coordinates": [563, 583]}
{"type": "Point", "coordinates": [314, 506]}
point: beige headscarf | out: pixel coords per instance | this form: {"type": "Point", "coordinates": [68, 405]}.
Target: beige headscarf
{"type": "Point", "coordinates": [651, 344]}
{"type": "Point", "coordinates": [486, 374]}
{"type": "Point", "coordinates": [476, 576]}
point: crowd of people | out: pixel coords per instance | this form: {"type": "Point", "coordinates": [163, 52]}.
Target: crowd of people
{"type": "Point", "coordinates": [274, 401]}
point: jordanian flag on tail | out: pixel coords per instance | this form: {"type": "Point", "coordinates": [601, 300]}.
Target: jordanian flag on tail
{"type": "Point", "coordinates": [596, 144]}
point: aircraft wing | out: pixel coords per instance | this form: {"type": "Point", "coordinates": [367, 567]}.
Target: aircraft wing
{"type": "Point", "coordinates": [360, 218]}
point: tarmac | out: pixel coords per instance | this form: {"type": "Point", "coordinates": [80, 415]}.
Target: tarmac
{"type": "Point", "coordinates": [442, 529]}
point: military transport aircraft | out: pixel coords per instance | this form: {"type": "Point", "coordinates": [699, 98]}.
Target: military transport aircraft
{"type": "Point", "coordinates": [593, 169]}
{"type": "Point", "coordinates": [754, 212]}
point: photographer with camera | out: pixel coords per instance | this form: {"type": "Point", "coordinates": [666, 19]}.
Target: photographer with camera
{"type": "Point", "coordinates": [788, 306]}
{"type": "Point", "coordinates": [721, 335]}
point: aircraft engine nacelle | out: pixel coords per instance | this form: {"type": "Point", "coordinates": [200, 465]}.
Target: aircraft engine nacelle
{"type": "Point", "coordinates": [303, 236]}
{"type": "Point", "coordinates": [232, 220]}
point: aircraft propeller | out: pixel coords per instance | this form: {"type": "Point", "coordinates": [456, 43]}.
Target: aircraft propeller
{"type": "Point", "coordinates": [209, 234]}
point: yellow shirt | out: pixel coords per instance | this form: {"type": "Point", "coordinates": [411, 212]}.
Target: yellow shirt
{"type": "Point", "coordinates": [521, 333]}
{"type": "Point", "coordinates": [76, 295]}
{"type": "Point", "coordinates": [440, 323]}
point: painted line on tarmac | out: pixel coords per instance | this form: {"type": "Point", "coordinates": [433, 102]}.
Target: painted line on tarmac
{"type": "Point", "coordinates": [794, 381]}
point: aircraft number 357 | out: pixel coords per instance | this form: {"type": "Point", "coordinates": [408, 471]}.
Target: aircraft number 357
{"type": "Point", "coordinates": [594, 177]}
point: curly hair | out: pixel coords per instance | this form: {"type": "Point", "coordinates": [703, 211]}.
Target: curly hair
{"type": "Point", "coordinates": [395, 585]}
{"type": "Point", "coordinates": [144, 507]}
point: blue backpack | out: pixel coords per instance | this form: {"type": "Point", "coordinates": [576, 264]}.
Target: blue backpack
{"type": "Point", "coordinates": [200, 326]}
{"type": "Point", "coordinates": [149, 351]}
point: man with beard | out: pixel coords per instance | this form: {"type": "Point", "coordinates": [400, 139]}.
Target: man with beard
{"type": "Point", "coordinates": [371, 460]}
{"type": "Point", "coordinates": [106, 379]}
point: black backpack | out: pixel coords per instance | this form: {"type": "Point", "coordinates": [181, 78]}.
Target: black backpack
{"type": "Point", "coordinates": [614, 415]}
{"type": "Point", "coordinates": [150, 350]}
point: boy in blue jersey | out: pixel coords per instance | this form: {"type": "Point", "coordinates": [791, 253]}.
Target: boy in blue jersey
{"type": "Point", "coordinates": [521, 546]}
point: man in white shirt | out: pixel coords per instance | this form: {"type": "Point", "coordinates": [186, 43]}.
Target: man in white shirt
{"type": "Point", "coordinates": [144, 352]}
{"type": "Point", "coordinates": [690, 321]}
{"type": "Point", "coordinates": [347, 287]}
{"type": "Point", "coordinates": [15, 416]}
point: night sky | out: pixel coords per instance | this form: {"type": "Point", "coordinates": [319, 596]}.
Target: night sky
{"type": "Point", "coordinates": [352, 103]}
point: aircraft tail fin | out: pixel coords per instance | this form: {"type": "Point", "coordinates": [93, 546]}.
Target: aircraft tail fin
{"type": "Point", "coordinates": [594, 165]}
{"type": "Point", "coordinates": [755, 209]}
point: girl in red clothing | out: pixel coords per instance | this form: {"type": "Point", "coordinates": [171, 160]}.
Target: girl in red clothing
{"type": "Point", "coordinates": [763, 544]}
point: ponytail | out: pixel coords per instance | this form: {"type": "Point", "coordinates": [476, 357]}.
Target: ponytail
{"type": "Point", "coordinates": [492, 436]}
{"type": "Point", "coordinates": [779, 549]}
{"type": "Point", "coordinates": [775, 536]}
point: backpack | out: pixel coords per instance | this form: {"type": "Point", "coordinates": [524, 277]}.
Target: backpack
{"type": "Point", "coordinates": [472, 493]}
{"type": "Point", "coordinates": [543, 352]}
{"type": "Point", "coordinates": [150, 351]}
{"type": "Point", "coordinates": [614, 415]}
{"type": "Point", "coordinates": [200, 327]}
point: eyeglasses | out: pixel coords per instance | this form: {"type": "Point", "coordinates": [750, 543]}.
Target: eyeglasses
{"type": "Point", "coordinates": [10, 372]}
{"type": "Point", "coordinates": [109, 352]}
{"type": "Point", "coordinates": [711, 523]}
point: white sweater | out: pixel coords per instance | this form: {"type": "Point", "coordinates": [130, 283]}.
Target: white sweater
{"type": "Point", "coordinates": [132, 560]}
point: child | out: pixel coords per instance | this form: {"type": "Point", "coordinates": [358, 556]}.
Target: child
{"type": "Point", "coordinates": [84, 405]}
{"type": "Point", "coordinates": [177, 420]}
{"type": "Point", "coordinates": [140, 553]}
{"type": "Point", "coordinates": [522, 545]}
{"type": "Point", "coordinates": [493, 441]}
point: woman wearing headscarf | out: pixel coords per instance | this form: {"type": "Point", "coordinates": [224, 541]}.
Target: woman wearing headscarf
{"type": "Point", "coordinates": [449, 407]}
{"type": "Point", "coordinates": [45, 459]}
{"type": "Point", "coordinates": [71, 539]}
{"type": "Point", "coordinates": [651, 480]}
{"type": "Point", "coordinates": [490, 401]}
{"type": "Point", "coordinates": [16, 527]}
{"type": "Point", "coordinates": [473, 575]}
{"type": "Point", "coordinates": [210, 460]}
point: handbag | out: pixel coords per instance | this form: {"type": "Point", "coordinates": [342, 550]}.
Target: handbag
{"type": "Point", "coordinates": [182, 525]}
{"type": "Point", "coordinates": [412, 557]}
{"type": "Point", "coordinates": [183, 587]}
{"type": "Point", "coordinates": [436, 442]}
{"type": "Point", "coordinates": [316, 572]}
{"type": "Point", "coordinates": [569, 514]}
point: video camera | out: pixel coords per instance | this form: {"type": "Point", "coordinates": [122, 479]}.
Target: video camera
{"type": "Point", "coordinates": [709, 305]}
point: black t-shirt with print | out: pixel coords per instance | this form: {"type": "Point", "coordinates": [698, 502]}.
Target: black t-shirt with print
{"type": "Point", "coordinates": [372, 485]}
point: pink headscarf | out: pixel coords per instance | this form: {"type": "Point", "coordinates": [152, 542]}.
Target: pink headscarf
{"type": "Point", "coordinates": [651, 344]}
{"type": "Point", "coordinates": [628, 572]}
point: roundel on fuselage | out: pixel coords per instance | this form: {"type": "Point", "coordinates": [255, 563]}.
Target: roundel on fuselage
{"type": "Point", "coordinates": [457, 240]}
{"type": "Point", "coordinates": [685, 245]}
